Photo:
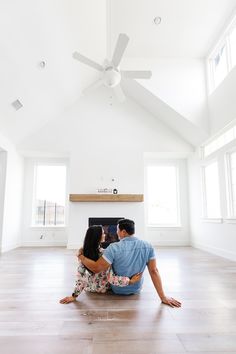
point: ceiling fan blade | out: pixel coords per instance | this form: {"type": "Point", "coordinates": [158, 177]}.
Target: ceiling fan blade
{"type": "Point", "coordinates": [119, 93]}
{"type": "Point", "coordinates": [92, 87]}
{"type": "Point", "coordinates": [137, 74]}
{"type": "Point", "coordinates": [121, 45]}
{"type": "Point", "coordinates": [87, 61]}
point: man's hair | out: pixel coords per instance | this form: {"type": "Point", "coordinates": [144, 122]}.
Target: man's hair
{"type": "Point", "coordinates": [127, 225]}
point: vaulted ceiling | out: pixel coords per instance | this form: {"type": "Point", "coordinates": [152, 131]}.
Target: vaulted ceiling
{"type": "Point", "coordinates": [32, 32]}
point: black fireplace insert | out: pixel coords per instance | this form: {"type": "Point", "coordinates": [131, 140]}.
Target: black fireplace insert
{"type": "Point", "coordinates": [109, 226]}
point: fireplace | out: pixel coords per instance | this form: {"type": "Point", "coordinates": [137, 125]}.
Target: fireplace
{"type": "Point", "coordinates": [109, 226]}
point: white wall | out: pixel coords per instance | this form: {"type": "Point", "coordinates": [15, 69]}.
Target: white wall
{"type": "Point", "coordinates": [222, 103]}
{"type": "Point", "coordinates": [105, 140]}
{"type": "Point", "coordinates": [12, 205]}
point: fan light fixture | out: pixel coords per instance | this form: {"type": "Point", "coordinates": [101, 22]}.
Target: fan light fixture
{"type": "Point", "coordinates": [111, 77]}
{"type": "Point", "coordinates": [111, 73]}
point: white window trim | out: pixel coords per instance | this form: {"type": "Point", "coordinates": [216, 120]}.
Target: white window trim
{"type": "Point", "coordinates": [175, 163]}
{"type": "Point", "coordinates": [204, 217]}
{"type": "Point", "coordinates": [225, 148]}
{"type": "Point", "coordinates": [212, 220]}
{"type": "Point", "coordinates": [230, 210]}
{"type": "Point", "coordinates": [230, 220]}
{"type": "Point", "coordinates": [47, 162]}
{"type": "Point", "coordinates": [224, 38]}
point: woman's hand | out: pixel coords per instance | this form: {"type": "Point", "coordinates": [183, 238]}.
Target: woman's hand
{"type": "Point", "coordinates": [67, 299]}
{"type": "Point", "coordinates": [170, 301]}
{"type": "Point", "coordinates": [135, 278]}
{"type": "Point", "coordinates": [79, 252]}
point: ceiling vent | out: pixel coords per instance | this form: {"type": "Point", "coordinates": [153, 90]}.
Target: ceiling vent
{"type": "Point", "coordinates": [17, 105]}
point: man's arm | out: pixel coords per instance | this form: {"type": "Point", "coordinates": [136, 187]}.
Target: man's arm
{"type": "Point", "coordinates": [95, 267]}
{"type": "Point", "coordinates": [156, 279]}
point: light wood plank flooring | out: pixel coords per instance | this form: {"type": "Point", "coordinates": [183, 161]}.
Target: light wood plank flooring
{"type": "Point", "coordinates": [32, 280]}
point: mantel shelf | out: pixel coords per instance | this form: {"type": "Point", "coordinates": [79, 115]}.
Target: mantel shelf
{"type": "Point", "coordinates": [106, 197]}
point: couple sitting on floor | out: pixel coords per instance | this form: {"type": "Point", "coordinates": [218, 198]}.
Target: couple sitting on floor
{"type": "Point", "coordinates": [119, 267]}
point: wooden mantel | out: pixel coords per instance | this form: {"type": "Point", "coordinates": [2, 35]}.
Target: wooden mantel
{"type": "Point", "coordinates": [106, 197]}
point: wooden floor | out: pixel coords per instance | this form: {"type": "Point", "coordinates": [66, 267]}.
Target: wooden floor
{"type": "Point", "coordinates": [32, 321]}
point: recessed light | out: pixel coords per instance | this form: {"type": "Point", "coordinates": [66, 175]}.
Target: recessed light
{"type": "Point", "coordinates": [17, 104]}
{"type": "Point", "coordinates": [157, 20]}
{"type": "Point", "coordinates": [42, 64]}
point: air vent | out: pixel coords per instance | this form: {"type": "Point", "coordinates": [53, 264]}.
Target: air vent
{"type": "Point", "coordinates": [17, 105]}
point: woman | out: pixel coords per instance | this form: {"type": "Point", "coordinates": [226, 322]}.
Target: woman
{"type": "Point", "coordinates": [99, 282]}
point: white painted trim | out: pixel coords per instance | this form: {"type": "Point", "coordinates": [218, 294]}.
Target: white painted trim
{"type": "Point", "coordinates": [170, 243]}
{"type": "Point", "coordinates": [47, 227]}
{"type": "Point", "coordinates": [216, 251]}
{"type": "Point", "coordinates": [230, 220]}
{"type": "Point", "coordinates": [10, 247]}
{"type": "Point", "coordinates": [43, 244]}
{"type": "Point", "coordinates": [71, 246]}
{"type": "Point", "coordinates": [213, 220]}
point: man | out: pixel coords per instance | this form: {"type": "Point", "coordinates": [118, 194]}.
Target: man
{"type": "Point", "coordinates": [128, 257]}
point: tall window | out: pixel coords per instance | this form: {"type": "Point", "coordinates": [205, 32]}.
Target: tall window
{"type": "Point", "coordinates": [232, 39]}
{"type": "Point", "coordinates": [231, 162]}
{"type": "Point", "coordinates": [163, 196]}
{"type": "Point", "coordinates": [211, 191]}
{"type": "Point", "coordinates": [49, 195]}
{"type": "Point", "coordinates": [220, 65]}
{"type": "Point", "coordinates": [223, 58]}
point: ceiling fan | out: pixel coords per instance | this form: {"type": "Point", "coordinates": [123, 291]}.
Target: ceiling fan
{"type": "Point", "coordinates": [111, 73]}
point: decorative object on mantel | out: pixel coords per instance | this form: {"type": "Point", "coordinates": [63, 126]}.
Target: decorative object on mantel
{"type": "Point", "coordinates": [105, 190]}
{"type": "Point", "coordinates": [106, 197]}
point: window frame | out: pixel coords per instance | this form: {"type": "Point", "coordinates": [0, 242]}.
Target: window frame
{"type": "Point", "coordinates": [224, 40]}
{"type": "Point", "coordinates": [174, 163]}
{"type": "Point", "coordinates": [231, 213]}
{"type": "Point", "coordinates": [205, 217]}
{"type": "Point", "coordinates": [47, 162]}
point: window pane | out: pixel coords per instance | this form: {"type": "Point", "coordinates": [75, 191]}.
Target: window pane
{"type": "Point", "coordinates": [162, 196]}
{"type": "Point", "coordinates": [50, 189]}
{"type": "Point", "coordinates": [233, 46]}
{"type": "Point", "coordinates": [212, 192]}
{"type": "Point", "coordinates": [220, 65]}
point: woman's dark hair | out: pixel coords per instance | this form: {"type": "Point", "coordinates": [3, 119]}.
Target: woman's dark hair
{"type": "Point", "coordinates": [127, 225]}
{"type": "Point", "coordinates": [92, 242]}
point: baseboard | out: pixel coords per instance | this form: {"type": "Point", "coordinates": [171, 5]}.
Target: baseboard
{"type": "Point", "coordinates": [10, 247]}
{"type": "Point", "coordinates": [173, 243]}
{"type": "Point", "coordinates": [43, 244]}
{"type": "Point", "coordinates": [72, 246]}
{"type": "Point", "coordinates": [216, 251]}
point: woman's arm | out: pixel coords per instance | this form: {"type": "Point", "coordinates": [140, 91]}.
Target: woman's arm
{"type": "Point", "coordinates": [119, 280]}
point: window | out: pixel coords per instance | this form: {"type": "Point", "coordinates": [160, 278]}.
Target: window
{"type": "Point", "coordinates": [49, 195]}
{"type": "Point", "coordinates": [211, 191]}
{"type": "Point", "coordinates": [232, 39]}
{"type": "Point", "coordinates": [223, 58]}
{"type": "Point", "coordinates": [162, 196]}
{"type": "Point", "coordinates": [220, 141]}
{"type": "Point", "coordinates": [220, 66]}
{"type": "Point", "coordinates": [231, 171]}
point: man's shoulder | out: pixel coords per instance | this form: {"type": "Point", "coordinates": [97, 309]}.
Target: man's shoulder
{"type": "Point", "coordinates": [144, 243]}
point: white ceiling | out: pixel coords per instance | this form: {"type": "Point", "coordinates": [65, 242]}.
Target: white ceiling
{"type": "Point", "coordinates": [50, 30]}
{"type": "Point", "coordinates": [188, 28]}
